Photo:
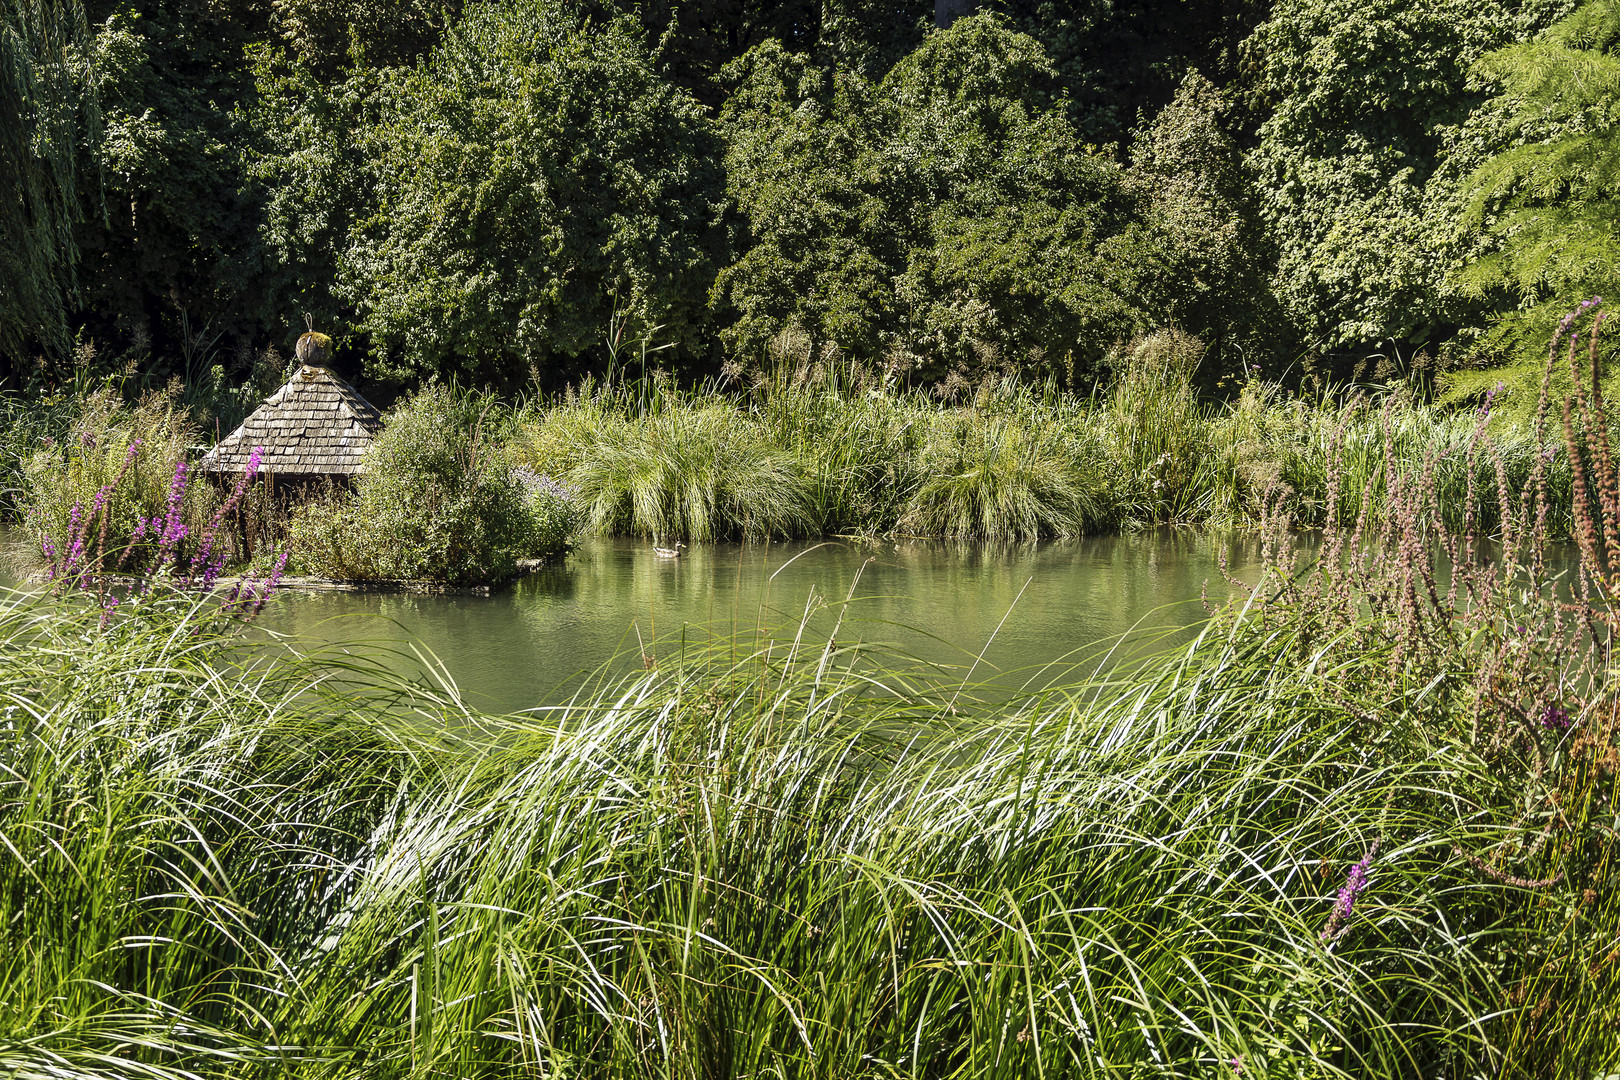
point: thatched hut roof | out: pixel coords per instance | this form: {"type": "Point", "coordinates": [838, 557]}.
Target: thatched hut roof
{"type": "Point", "coordinates": [316, 425]}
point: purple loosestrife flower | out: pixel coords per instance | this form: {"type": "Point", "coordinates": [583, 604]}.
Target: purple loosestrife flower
{"type": "Point", "coordinates": [203, 561]}
{"type": "Point", "coordinates": [269, 585]}
{"type": "Point", "coordinates": [75, 538]}
{"type": "Point", "coordinates": [1554, 718]}
{"type": "Point", "coordinates": [173, 531]}
{"type": "Point", "coordinates": [1344, 906]}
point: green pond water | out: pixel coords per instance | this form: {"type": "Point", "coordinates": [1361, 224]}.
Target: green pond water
{"type": "Point", "coordinates": [1011, 616]}
{"type": "Point", "coordinates": [1032, 611]}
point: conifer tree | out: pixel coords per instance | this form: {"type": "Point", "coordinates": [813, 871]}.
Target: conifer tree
{"type": "Point", "coordinates": [1549, 201]}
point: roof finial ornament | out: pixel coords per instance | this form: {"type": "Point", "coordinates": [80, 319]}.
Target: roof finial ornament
{"type": "Point", "coordinates": [314, 350]}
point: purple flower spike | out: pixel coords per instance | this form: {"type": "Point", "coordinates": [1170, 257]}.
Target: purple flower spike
{"type": "Point", "coordinates": [1344, 906]}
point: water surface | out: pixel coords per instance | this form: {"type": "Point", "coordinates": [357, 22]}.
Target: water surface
{"type": "Point", "coordinates": [1002, 613]}
{"type": "Point", "coordinates": [1014, 615]}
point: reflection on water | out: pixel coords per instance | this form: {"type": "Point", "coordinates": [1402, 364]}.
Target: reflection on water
{"type": "Point", "coordinates": [1028, 609]}
{"type": "Point", "coordinates": [613, 602]}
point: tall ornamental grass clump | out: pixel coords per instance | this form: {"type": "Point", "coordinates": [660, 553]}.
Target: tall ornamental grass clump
{"type": "Point", "coordinates": [27, 423]}
{"type": "Point", "coordinates": [679, 468]}
{"type": "Point", "coordinates": [1153, 432]}
{"type": "Point", "coordinates": [857, 440]}
{"type": "Point", "coordinates": [1266, 443]}
{"type": "Point", "coordinates": [1000, 478]}
{"type": "Point", "coordinates": [441, 500]}
{"type": "Point", "coordinates": [178, 814]}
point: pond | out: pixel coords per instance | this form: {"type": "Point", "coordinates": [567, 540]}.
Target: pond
{"type": "Point", "coordinates": [1013, 615]}
{"type": "Point", "coordinates": [1032, 611]}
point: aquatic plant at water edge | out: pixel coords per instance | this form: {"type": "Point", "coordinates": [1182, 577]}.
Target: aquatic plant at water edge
{"type": "Point", "coordinates": [440, 500]}
{"type": "Point", "coordinates": [999, 480]}
{"type": "Point", "coordinates": [1520, 663]}
{"type": "Point", "coordinates": [693, 471]}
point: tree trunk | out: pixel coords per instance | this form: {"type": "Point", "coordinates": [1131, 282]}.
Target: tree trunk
{"type": "Point", "coordinates": [947, 11]}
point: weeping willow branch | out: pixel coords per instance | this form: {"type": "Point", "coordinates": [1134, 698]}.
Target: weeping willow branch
{"type": "Point", "coordinates": [47, 112]}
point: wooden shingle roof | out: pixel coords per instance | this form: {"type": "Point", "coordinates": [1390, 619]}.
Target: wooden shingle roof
{"type": "Point", "coordinates": [316, 424]}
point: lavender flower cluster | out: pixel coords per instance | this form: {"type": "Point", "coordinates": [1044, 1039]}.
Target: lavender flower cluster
{"type": "Point", "coordinates": [540, 484]}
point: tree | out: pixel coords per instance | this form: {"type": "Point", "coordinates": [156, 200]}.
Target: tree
{"type": "Point", "coordinates": [1204, 261]}
{"type": "Point", "coordinates": [47, 112]}
{"type": "Point", "coordinates": [943, 220]}
{"type": "Point", "coordinates": [534, 177]}
{"type": "Point", "coordinates": [1548, 201]}
{"type": "Point", "coordinates": [178, 261]}
{"type": "Point", "coordinates": [1363, 97]}
{"type": "Point", "coordinates": [1118, 60]}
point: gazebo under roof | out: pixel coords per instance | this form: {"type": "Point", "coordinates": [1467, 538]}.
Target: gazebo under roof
{"type": "Point", "coordinates": [316, 426]}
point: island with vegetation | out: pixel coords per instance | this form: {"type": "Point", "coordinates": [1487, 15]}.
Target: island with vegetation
{"type": "Point", "coordinates": [1329, 273]}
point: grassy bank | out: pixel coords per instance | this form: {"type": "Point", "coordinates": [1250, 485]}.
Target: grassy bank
{"type": "Point", "coordinates": [1362, 827]}
{"type": "Point", "coordinates": [216, 863]}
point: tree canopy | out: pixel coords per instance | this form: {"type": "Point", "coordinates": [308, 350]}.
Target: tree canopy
{"type": "Point", "coordinates": [478, 188]}
{"type": "Point", "coordinates": [531, 178]}
{"type": "Point", "coordinates": [47, 113]}
{"type": "Point", "coordinates": [1548, 201]}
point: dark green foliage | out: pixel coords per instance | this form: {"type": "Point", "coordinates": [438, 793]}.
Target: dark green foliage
{"type": "Point", "coordinates": [326, 35]}
{"type": "Point", "coordinates": [945, 219]}
{"type": "Point", "coordinates": [314, 170]}
{"type": "Point", "coordinates": [47, 110]}
{"type": "Point", "coordinates": [531, 178]}
{"type": "Point", "coordinates": [1203, 263]}
{"type": "Point", "coordinates": [177, 261]}
{"type": "Point", "coordinates": [1120, 59]}
{"type": "Point", "coordinates": [1548, 201]}
{"type": "Point", "coordinates": [439, 501]}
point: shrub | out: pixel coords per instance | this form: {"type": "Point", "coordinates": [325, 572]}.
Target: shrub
{"type": "Point", "coordinates": [440, 500]}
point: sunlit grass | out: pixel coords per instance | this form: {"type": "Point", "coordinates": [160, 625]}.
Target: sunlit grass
{"type": "Point", "coordinates": [838, 454]}
{"type": "Point", "coordinates": [796, 862]}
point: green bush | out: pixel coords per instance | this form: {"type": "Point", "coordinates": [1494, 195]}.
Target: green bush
{"type": "Point", "coordinates": [440, 501]}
